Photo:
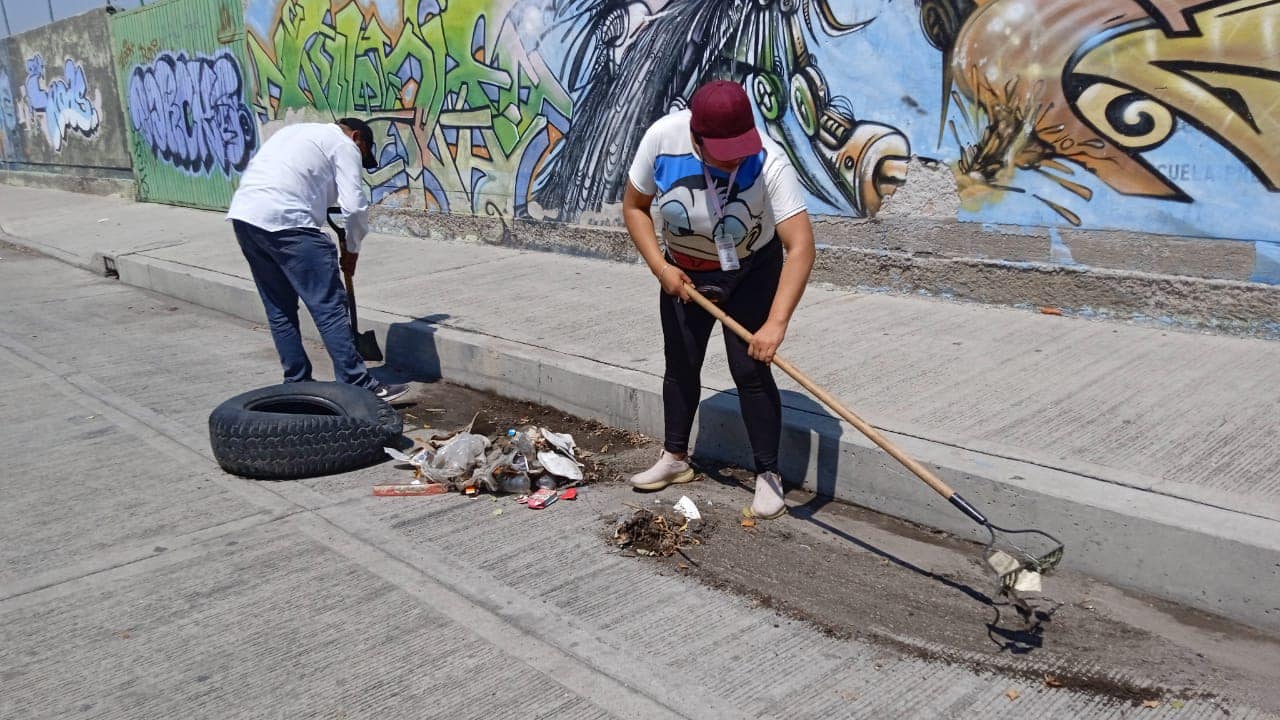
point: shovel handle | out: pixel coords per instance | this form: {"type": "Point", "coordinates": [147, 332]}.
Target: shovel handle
{"type": "Point", "coordinates": [350, 282]}
{"type": "Point", "coordinates": [865, 428]}
{"type": "Point", "coordinates": [347, 278]}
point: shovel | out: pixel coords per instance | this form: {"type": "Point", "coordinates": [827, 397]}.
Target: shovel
{"type": "Point", "coordinates": [1005, 552]}
{"type": "Point", "coordinates": [366, 342]}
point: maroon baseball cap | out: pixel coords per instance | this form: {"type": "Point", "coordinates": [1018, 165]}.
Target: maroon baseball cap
{"type": "Point", "coordinates": [722, 118]}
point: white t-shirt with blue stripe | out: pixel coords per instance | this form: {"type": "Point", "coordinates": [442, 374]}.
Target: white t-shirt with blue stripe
{"type": "Point", "coordinates": [765, 192]}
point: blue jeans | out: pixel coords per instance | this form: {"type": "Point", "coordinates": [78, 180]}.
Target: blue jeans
{"type": "Point", "coordinates": [302, 263]}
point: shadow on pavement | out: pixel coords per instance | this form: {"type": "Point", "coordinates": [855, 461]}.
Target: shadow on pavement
{"type": "Point", "coordinates": [811, 448]}
{"type": "Point", "coordinates": [411, 351]}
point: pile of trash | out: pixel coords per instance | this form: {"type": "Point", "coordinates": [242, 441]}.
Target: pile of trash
{"type": "Point", "coordinates": [525, 458]}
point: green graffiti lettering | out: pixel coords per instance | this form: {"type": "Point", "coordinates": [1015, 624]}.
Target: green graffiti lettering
{"type": "Point", "coordinates": [453, 77]}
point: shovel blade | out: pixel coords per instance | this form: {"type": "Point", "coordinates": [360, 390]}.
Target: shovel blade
{"type": "Point", "coordinates": [367, 346]}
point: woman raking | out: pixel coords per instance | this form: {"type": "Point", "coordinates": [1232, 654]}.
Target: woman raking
{"type": "Point", "coordinates": [730, 204]}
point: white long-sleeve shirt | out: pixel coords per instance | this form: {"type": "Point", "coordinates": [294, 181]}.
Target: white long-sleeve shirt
{"type": "Point", "coordinates": [297, 175]}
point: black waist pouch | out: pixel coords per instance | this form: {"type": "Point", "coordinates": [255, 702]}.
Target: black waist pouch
{"type": "Point", "coordinates": [718, 285]}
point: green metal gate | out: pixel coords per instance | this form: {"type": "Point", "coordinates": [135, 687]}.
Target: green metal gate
{"type": "Point", "coordinates": [186, 97]}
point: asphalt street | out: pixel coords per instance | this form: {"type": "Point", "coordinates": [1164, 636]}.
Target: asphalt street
{"type": "Point", "coordinates": [140, 581]}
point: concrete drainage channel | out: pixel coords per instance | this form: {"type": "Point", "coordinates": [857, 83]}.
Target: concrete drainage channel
{"type": "Point", "coordinates": [1218, 560]}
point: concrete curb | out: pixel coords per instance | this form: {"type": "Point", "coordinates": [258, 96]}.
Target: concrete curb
{"type": "Point", "coordinates": [104, 182]}
{"type": "Point", "coordinates": [1214, 559]}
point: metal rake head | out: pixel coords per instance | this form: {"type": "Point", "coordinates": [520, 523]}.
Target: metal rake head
{"type": "Point", "coordinates": [1010, 552]}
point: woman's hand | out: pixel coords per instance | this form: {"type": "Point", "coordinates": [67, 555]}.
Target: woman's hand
{"type": "Point", "coordinates": [765, 341]}
{"type": "Point", "coordinates": [674, 282]}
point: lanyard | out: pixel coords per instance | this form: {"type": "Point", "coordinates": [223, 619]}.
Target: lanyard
{"type": "Point", "coordinates": [713, 194]}
{"type": "Point", "coordinates": [726, 248]}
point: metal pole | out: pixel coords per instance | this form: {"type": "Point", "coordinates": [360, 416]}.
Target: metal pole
{"type": "Point", "coordinates": [4, 11]}
{"type": "Point", "coordinates": [50, 10]}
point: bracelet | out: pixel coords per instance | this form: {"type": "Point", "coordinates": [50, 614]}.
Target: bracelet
{"type": "Point", "coordinates": [663, 271]}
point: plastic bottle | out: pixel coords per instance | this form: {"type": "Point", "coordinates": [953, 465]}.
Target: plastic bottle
{"type": "Point", "coordinates": [525, 442]}
{"type": "Point", "coordinates": [517, 483]}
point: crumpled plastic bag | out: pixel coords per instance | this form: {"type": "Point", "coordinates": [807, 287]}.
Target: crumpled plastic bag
{"type": "Point", "coordinates": [455, 460]}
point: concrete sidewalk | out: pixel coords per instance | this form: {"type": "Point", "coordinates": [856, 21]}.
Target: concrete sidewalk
{"type": "Point", "coordinates": [1149, 452]}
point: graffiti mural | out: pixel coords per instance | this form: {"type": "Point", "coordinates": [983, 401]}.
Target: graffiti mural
{"type": "Point", "coordinates": [465, 115]}
{"type": "Point", "coordinates": [471, 115]}
{"type": "Point", "coordinates": [8, 119]}
{"type": "Point", "coordinates": [8, 111]}
{"type": "Point", "coordinates": [190, 111]}
{"type": "Point", "coordinates": [1146, 114]}
{"type": "Point", "coordinates": [63, 102]}
{"type": "Point", "coordinates": [633, 62]}
{"type": "Point", "coordinates": [1101, 86]}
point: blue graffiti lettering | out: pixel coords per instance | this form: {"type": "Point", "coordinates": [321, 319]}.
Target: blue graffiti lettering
{"type": "Point", "coordinates": [65, 102]}
{"type": "Point", "coordinates": [191, 112]}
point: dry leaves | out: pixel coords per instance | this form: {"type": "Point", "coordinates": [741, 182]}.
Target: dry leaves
{"type": "Point", "coordinates": [1012, 694]}
{"type": "Point", "coordinates": [1052, 681]}
{"type": "Point", "coordinates": [748, 523]}
{"type": "Point", "coordinates": [651, 534]}
{"type": "Point", "coordinates": [1150, 703]}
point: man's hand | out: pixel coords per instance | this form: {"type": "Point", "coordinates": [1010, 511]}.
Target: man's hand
{"type": "Point", "coordinates": [765, 341]}
{"type": "Point", "coordinates": [347, 261]}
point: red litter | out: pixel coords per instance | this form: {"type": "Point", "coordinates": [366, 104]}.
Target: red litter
{"type": "Point", "coordinates": [542, 498]}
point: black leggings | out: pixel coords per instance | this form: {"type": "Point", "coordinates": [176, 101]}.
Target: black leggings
{"type": "Point", "coordinates": [686, 328]}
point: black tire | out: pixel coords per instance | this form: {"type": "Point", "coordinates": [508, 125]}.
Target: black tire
{"type": "Point", "coordinates": [299, 430]}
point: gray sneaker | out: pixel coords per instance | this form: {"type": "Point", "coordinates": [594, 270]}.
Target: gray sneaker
{"type": "Point", "coordinates": [667, 471]}
{"type": "Point", "coordinates": [769, 501]}
{"type": "Point", "coordinates": [388, 391]}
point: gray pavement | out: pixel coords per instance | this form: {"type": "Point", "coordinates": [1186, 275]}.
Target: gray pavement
{"type": "Point", "coordinates": [142, 582]}
{"type": "Point", "coordinates": [1149, 451]}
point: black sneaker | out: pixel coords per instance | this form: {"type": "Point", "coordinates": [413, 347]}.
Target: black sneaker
{"type": "Point", "coordinates": [388, 392]}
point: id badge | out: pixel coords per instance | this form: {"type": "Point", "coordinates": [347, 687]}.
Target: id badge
{"type": "Point", "coordinates": [726, 248]}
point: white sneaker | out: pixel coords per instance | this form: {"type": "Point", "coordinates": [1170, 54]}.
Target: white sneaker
{"type": "Point", "coordinates": [768, 502]}
{"type": "Point", "coordinates": [668, 470]}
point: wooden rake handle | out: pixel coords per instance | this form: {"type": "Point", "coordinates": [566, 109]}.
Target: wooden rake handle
{"type": "Point", "coordinates": [872, 434]}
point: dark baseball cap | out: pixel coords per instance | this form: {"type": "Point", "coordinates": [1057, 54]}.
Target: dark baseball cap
{"type": "Point", "coordinates": [365, 133]}
{"type": "Point", "coordinates": [722, 118]}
